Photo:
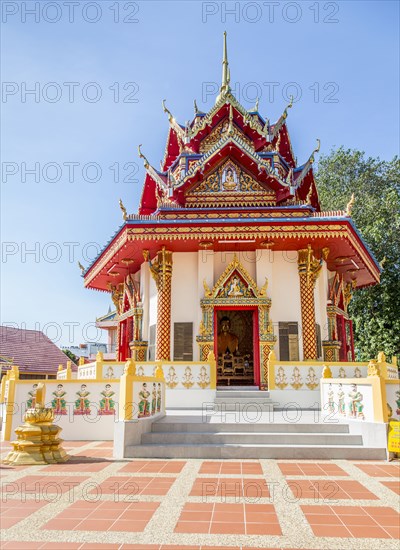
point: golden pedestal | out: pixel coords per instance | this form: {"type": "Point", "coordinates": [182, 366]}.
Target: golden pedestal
{"type": "Point", "coordinates": [37, 440]}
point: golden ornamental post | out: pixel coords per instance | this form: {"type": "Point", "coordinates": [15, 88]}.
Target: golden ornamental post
{"type": "Point", "coordinates": [161, 271]}
{"type": "Point", "coordinates": [309, 270]}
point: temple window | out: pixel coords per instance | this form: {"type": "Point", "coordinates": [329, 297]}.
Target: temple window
{"type": "Point", "coordinates": [152, 343]}
{"type": "Point", "coordinates": [288, 341]}
{"type": "Point", "coordinates": [319, 340]}
{"type": "Point", "coordinates": [183, 341]}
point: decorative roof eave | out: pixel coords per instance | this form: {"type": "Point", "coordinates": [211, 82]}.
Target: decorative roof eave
{"type": "Point", "coordinates": [279, 230]}
{"type": "Point", "coordinates": [307, 166]}
{"type": "Point", "coordinates": [216, 149]}
{"type": "Point", "coordinates": [229, 99]}
{"type": "Point", "coordinates": [173, 123]}
{"type": "Point", "coordinates": [278, 125]}
{"type": "Point", "coordinates": [153, 173]}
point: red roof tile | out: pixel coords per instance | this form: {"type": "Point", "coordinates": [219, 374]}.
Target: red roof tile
{"type": "Point", "coordinates": [31, 350]}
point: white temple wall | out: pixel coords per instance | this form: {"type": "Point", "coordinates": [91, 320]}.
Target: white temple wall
{"type": "Point", "coordinates": [145, 298]}
{"type": "Point", "coordinates": [184, 297]}
{"type": "Point", "coordinates": [152, 303]}
{"type": "Point", "coordinates": [284, 292]}
{"type": "Point", "coordinates": [321, 298]}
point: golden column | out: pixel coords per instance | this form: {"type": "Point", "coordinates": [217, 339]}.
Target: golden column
{"type": "Point", "coordinates": [161, 270]}
{"type": "Point", "coordinates": [309, 270]}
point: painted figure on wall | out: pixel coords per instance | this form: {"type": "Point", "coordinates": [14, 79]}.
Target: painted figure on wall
{"type": "Point", "coordinates": [356, 405]}
{"type": "Point", "coordinates": [82, 404]}
{"type": "Point", "coordinates": [296, 381]}
{"type": "Point", "coordinates": [107, 403]}
{"type": "Point", "coordinates": [341, 404]}
{"type": "Point", "coordinates": [172, 379]}
{"type": "Point", "coordinates": [357, 373]}
{"type": "Point", "coordinates": [188, 381]}
{"type": "Point", "coordinates": [32, 397]}
{"type": "Point", "coordinates": [398, 402]}
{"type": "Point", "coordinates": [311, 380]}
{"type": "Point", "coordinates": [154, 399]}
{"type": "Point", "coordinates": [204, 379]}
{"type": "Point", "coordinates": [110, 372]}
{"type": "Point", "coordinates": [59, 403]}
{"type": "Point", "coordinates": [227, 341]}
{"type": "Point", "coordinates": [159, 397]}
{"type": "Point", "coordinates": [281, 380]}
{"type": "Point", "coordinates": [331, 402]}
{"type": "Point", "coordinates": [342, 373]}
{"type": "Point", "coordinates": [144, 405]}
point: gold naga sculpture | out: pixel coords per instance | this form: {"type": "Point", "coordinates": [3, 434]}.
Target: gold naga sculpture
{"type": "Point", "coordinates": [37, 439]}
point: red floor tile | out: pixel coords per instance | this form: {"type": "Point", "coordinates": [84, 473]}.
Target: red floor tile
{"type": "Point", "coordinates": [310, 469]}
{"type": "Point", "coordinates": [228, 487]}
{"type": "Point", "coordinates": [44, 486]}
{"type": "Point", "coordinates": [154, 466]}
{"type": "Point", "coordinates": [392, 485]}
{"type": "Point", "coordinates": [335, 489]}
{"type": "Point", "coordinates": [96, 453]}
{"type": "Point", "coordinates": [226, 467]}
{"type": "Point", "coordinates": [380, 470]}
{"type": "Point", "coordinates": [134, 486]}
{"type": "Point", "coordinates": [76, 466]}
{"type": "Point", "coordinates": [250, 519]}
{"type": "Point", "coordinates": [353, 521]}
{"type": "Point", "coordinates": [11, 511]}
{"type": "Point", "coordinates": [104, 516]}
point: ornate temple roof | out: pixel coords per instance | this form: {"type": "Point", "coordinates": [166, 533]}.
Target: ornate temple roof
{"type": "Point", "coordinates": [229, 174]}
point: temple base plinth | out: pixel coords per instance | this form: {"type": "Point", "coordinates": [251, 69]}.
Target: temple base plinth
{"type": "Point", "coordinates": [37, 442]}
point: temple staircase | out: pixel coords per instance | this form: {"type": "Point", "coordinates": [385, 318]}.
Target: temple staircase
{"type": "Point", "coordinates": [243, 424]}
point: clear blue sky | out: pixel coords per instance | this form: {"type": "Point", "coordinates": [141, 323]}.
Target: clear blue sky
{"type": "Point", "coordinates": [344, 51]}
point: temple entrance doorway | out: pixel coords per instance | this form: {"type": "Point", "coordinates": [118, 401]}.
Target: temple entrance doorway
{"type": "Point", "coordinates": [236, 338]}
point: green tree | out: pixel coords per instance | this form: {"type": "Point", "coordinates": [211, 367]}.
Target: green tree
{"type": "Point", "coordinates": [71, 356]}
{"type": "Point", "coordinates": [376, 213]}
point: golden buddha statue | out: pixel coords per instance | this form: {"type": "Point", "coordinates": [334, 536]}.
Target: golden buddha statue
{"type": "Point", "coordinates": [229, 183]}
{"type": "Point", "coordinates": [227, 341]}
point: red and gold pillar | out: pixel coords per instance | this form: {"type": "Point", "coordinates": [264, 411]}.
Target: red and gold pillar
{"type": "Point", "coordinates": [309, 270]}
{"type": "Point", "coordinates": [161, 270]}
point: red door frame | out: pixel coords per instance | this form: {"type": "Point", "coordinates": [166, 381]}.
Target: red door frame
{"type": "Point", "coordinates": [256, 340]}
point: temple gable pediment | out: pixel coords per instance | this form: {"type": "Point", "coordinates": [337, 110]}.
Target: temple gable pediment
{"type": "Point", "coordinates": [230, 178]}
{"type": "Point", "coordinates": [235, 282]}
{"type": "Point", "coordinates": [220, 132]}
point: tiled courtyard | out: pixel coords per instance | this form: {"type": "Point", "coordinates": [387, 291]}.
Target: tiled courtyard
{"type": "Point", "coordinates": [95, 503]}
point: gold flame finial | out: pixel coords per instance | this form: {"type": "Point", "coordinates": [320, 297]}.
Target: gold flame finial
{"type": "Point", "coordinates": [226, 75]}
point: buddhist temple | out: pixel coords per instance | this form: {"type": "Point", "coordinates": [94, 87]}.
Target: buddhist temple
{"type": "Point", "coordinates": [230, 252]}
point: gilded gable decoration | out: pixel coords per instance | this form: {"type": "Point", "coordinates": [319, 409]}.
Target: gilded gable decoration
{"type": "Point", "coordinates": [230, 178]}
{"type": "Point", "coordinates": [220, 132]}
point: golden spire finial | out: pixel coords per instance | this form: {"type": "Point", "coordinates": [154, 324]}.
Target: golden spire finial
{"type": "Point", "coordinates": [256, 105]}
{"type": "Point", "coordinates": [196, 109]}
{"type": "Point", "coordinates": [226, 75]}
{"type": "Point", "coordinates": [81, 268]}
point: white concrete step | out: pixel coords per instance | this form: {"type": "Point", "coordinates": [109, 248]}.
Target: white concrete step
{"type": "Point", "coordinates": [232, 451]}
{"type": "Point", "coordinates": [242, 394]}
{"type": "Point", "coordinates": [238, 388]}
{"type": "Point", "coordinates": [242, 405]}
{"type": "Point", "coordinates": [244, 438]}
{"type": "Point", "coordinates": [171, 424]}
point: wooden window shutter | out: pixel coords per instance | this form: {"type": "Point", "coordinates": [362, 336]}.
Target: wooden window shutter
{"type": "Point", "coordinates": [183, 341]}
